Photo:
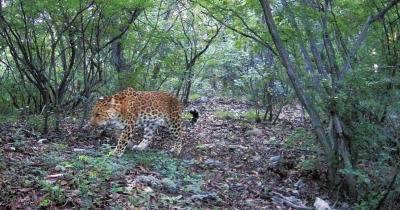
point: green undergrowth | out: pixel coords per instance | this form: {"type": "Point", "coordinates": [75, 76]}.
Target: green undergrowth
{"type": "Point", "coordinates": [302, 139]}
{"type": "Point", "coordinates": [174, 186]}
{"type": "Point", "coordinates": [251, 115]}
{"type": "Point", "coordinates": [93, 179]}
{"type": "Point", "coordinates": [247, 116]}
{"type": "Point", "coordinates": [186, 116]}
{"type": "Point", "coordinates": [225, 115]}
{"type": "Point", "coordinates": [93, 176]}
{"type": "Point", "coordinates": [194, 96]}
{"type": "Point", "coordinates": [8, 118]}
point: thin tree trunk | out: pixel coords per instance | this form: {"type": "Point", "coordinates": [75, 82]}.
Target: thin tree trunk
{"type": "Point", "coordinates": [300, 91]}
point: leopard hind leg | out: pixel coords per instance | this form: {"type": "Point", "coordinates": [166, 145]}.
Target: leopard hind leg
{"type": "Point", "coordinates": [176, 132]}
{"type": "Point", "coordinates": [148, 134]}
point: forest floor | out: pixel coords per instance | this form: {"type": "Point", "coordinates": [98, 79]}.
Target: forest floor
{"type": "Point", "coordinates": [228, 161]}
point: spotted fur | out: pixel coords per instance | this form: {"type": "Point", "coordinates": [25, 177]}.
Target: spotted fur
{"type": "Point", "coordinates": [130, 109]}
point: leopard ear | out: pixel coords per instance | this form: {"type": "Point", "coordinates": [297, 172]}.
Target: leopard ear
{"type": "Point", "coordinates": [101, 98]}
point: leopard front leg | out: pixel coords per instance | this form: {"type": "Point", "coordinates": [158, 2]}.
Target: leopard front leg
{"type": "Point", "coordinates": [123, 141]}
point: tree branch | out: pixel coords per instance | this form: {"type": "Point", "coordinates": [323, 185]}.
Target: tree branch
{"type": "Point", "coordinates": [371, 19]}
{"type": "Point", "coordinates": [255, 37]}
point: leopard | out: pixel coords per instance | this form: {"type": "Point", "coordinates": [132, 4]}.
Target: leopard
{"type": "Point", "coordinates": [130, 109]}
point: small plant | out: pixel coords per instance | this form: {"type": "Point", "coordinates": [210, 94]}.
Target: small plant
{"type": "Point", "coordinates": [370, 201]}
{"type": "Point", "coordinates": [58, 146]}
{"type": "Point", "coordinates": [84, 158]}
{"type": "Point", "coordinates": [302, 138]}
{"type": "Point", "coordinates": [309, 165]}
{"type": "Point", "coordinates": [145, 158]}
{"type": "Point", "coordinates": [186, 116]}
{"type": "Point", "coordinates": [52, 158]}
{"type": "Point", "coordinates": [194, 97]}
{"type": "Point", "coordinates": [91, 175]}
{"type": "Point", "coordinates": [251, 116]}
{"type": "Point", "coordinates": [56, 193]}
{"type": "Point", "coordinates": [45, 202]}
{"type": "Point", "coordinates": [8, 118]}
{"type": "Point", "coordinates": [37, 122]}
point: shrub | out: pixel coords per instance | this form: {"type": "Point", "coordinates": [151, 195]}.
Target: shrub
{"type": "Point", "coordinates": [251, 115]}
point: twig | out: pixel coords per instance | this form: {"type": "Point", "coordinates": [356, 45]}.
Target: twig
{"type": "Point", "coordinates": [52, 176]}
{"type": "Point", "coordinates": [337, 195]}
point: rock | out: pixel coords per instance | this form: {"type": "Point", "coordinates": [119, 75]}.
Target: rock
{"type": "Point", "coordinates": [80, 150]}
{"type": "Point", "coordinates": [344, 206]}
{"type": "Point", "coordinates": [257, 158]}
{"type": "Point", "coordinates": [299, 184]}
{"type": "Point", "coordinates": [233, 147]}
{"type": "Point", "coordinates": [250, 202]}
{"type": "Point", "coordinates": [295, 193]}
{"type": "Point", "coordinates": [189, 162]}
{"type": "Point", "coordinates": [275, 161]}
{"type": "Point", "coordinates": [204, 98]}
{"type": "Point", "coordinates": [205, 196]}
{"type": "Point", "coordinates": [148, 189]}
{"type": "Point", "coordinates": [254, 132]}
{"type": "Point", "coordinates": [169, 185]}
{"type": "Point", "coordinates": [271, 140]}
{"type": "Point", "coordinates": [320, 204]}
{"type": "Point", "coordinates": [211, 163]}
{"type": "Point", "coordinates": [149, 180]}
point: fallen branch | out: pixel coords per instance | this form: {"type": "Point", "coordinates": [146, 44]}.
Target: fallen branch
{"type": "Point", "coordinates": [289, 201]}
{"type": "Point", "coordinates": [52, 176]}
{"type": "Point", "coordinates": [237, 147]}
{"type": "Point", "coordinates": [81, 150]}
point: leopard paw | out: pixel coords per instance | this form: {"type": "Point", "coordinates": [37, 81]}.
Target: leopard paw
{"type": "Point", "coordinates": [175, 151]}
{"type": "Point", "coordinates": [138, 147]}
{"type": "Point", "coordinates": [117, 153]}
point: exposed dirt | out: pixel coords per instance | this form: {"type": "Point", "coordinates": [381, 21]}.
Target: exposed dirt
{"type": "Point", "coordinates": [241, 164]}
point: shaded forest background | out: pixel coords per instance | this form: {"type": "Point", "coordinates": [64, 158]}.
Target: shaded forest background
{"type": "Point", "coordinates": [338, 59]}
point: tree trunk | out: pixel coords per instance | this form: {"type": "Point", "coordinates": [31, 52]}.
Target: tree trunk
{"type": "Point", "coordinates": [188, 83]}
{"type": "Point", "coordinates": [300, 92]}
{"type": "Point", "coordinates": [118, 58]}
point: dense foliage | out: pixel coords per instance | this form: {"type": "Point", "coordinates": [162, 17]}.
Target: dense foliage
{"type": "Point", "coordinates": [338, 59]}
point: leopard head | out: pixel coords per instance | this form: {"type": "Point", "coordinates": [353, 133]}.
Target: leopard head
{"type": "Point", "coordinates": [106, 111]}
